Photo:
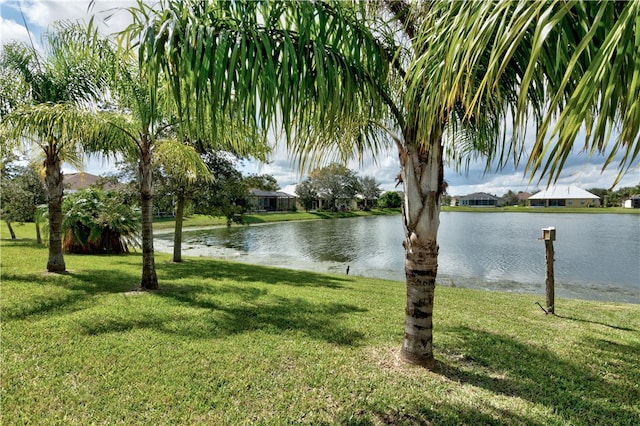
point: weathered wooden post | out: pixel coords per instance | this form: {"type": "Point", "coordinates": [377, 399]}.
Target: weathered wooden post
{"type": "Point", "coordinates": [549, 236]}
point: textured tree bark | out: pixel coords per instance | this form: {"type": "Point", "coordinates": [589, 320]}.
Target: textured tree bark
{"type": "Point", "coordinates": [149, 277]}
{"type": "Point", "coordinates": [177, 233]}
{"type": "Point", "coordinates": [422, 174]}
{"type": "Point", "coordinates": [53, 182]}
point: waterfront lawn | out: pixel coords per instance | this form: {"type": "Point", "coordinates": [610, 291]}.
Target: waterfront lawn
{"type": "Point", "coordinates": [228, 343]}
{"type": "Point", "coordinates": [255, 218]}
{"type": "Point", "coordinates": [542, 210]}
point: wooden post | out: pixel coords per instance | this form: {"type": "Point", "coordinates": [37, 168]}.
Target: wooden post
{"type": "Point", "coordinates": [549, 236]}
{"type": "Point", "coordinates": [550, 279]}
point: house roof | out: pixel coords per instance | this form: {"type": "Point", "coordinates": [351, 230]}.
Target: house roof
{"type": "Point", "coordinates": [82, 180]}
{"type": "Point", "coordinates": [478, 196]}
{"type": "Point", "coordinates": [277, 194]}
{"type": "Point", "coordinates": [562, 193]}
{"type": "Point", "coordinates": [523, 196]}
{"type": "Point", "coordinates": [76, 181]}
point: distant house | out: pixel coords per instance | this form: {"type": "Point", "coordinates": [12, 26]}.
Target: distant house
{"type": "Point", "coordinates": [73, 182]}
{"type": "Point", "coordinates": [564, 196]}
{"type": "Point", "coordinates": [632, 203]}
{"type": "Point", "coordinates": [271, 201]}
{"type": "Point", "coordinates": [478, 199]}
{"type": "Point", "coordinates": [523, 197]}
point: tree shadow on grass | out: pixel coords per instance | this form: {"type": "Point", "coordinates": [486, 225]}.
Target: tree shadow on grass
{"type": "Point", "coordinates": [577, 393]}
{"type": "Point", "coordinates": [71, 289]}
{"type": "Point", "coordinates": [212, 268]}
{"type": "Point", "coordinates": [617, 327]}
{"type": "Point", "coordinates": [254, 309]}
{"type": "Point", "coordinates": [222, 311]}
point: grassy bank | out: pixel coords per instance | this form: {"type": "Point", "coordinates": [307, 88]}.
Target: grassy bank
{"type": "Point", "coordinates": [542, 210]}
{"type": "Point", "coordinates": [228, 343]}
{"type": "Point", "coordinates": [255, 218]}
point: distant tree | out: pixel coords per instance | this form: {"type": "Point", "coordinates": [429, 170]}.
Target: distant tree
{"type": "Point", "coordinates": [306, 193]}
{"type": "Point", "coordinates": [99, 222]}
{"type": "Point", "coordinates": [21, 192]}
{"type": "Point", "coordinates": [263, 182]}
{"type": "Point", "coordinates": [390, 200]}
{"type": "Point", "coordinates": [604, 195]}
{"type": "Point", "coordinates": [226, 194]}
{"type": "Point", "coordinates": [337, 186]}
{"type": "Point", "coordinates": [369, 189]}
{"type": "Point", "coordinates": [180, 167]}
{"type": "Point", "coordinates": [509, 199]}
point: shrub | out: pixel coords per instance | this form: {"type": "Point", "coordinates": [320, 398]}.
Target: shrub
{"type": "Point", "coordinates": [99, 222]}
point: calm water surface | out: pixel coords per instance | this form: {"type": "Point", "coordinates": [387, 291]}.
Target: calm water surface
{"type": "Point", "coordinates": [597, 255]}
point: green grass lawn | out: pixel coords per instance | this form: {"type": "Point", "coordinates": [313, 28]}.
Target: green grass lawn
{"type": "Point", "coordinates": [197, 220]}
{"type": "Point", "coordinates": [542, 210]}
{"type": "Point", "coordinates": [228, 343]}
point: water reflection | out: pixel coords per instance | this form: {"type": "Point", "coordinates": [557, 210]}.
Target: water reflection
{"type": "Point", "coordinates": [597, 256]}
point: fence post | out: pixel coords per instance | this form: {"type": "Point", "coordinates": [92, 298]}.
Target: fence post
{"type": "Point", "coordinates": [549, 236]}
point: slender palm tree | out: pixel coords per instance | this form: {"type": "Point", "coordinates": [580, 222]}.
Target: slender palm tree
{"type": "Point", "coordinates": [181, 165]}
{"type": "Point", "coordinates": [440, 78]}
{"type": "Point", "coordinates": [47, 113]}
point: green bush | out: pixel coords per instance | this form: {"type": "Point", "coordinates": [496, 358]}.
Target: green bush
{"type": "Point", "coordinates": [99, 222]}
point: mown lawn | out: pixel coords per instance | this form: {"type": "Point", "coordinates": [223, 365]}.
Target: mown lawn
{"type": "Point", "coordinates": [228, 343]}
{"type": "Point", "coordinates": [198, 220]}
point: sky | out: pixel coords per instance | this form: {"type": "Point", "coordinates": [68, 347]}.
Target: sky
{"type": "Point", "coordinates": [580, 170]}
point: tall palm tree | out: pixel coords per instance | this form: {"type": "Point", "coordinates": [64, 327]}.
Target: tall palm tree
{"type": "Point", "coordinates": [217, 80]}
{"type": "Point", "coordinates": [440, 78]}
{"type": "Point", "coordinates": [48, 112]}
{"type": "Point", "coordinates": [139, 120]}
{"type": "Point", "coordinates": [576, 63]}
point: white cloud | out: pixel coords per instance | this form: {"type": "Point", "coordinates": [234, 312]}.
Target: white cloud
{"type": "Point", "coordinates": [579, 169]}
{"type": "Point", "coordinates": [110, 16]}
{"type": "Point", "coordinates": [12, 31]}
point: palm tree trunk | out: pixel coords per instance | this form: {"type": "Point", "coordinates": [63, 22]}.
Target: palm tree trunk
{"type": "Point", "coordinates": [53, 181]}
{"type": "Point", "coordinates": [11, 231]}
{"type": "Point", "coordinates": [422, 174]}
{"type": "Point", "coordinates": [38, 234]}
{"type": "Point", "coordinates": [177, 233]}
{"type": "Point", "coordinates": [149, 277]}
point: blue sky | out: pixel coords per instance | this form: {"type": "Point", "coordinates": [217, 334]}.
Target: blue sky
{"type": "Point", "coordinates": [580, 170]}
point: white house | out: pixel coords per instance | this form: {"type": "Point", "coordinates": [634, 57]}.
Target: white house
{"type": "Point", "coordinates": [564, 196]}
{"type": "Point", "coordinates": [632, 203]}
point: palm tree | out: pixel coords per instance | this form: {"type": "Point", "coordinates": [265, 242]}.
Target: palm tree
{"type": "Point", "coordinates": [49, 111]}
{"type": "Point", "coordinates": [181, 165]}
{"type": "Point", "coordinates": [440, 78]}
{"type": "Point", "coordinates": [576, 63]}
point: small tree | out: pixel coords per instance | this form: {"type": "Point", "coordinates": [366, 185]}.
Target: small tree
{"type": "Point", "coordinates": [226, 194]}
{"type": "Point", "coordinates": [390, 200]}
{"type": "Point", "coordinates": [181, 166]}
{"type": "Point", "coordinates": [263, 182]}
{"type": "Point", "coordinates": [21, 191]}
{"type": "Point", "coordinates": [509, 199]}
{"type": "Point", "coordinates": [370, 190]}
{"type": "Point", "coordinates": [337, 186]}
{"type": "Point", "coordinates": [307, 194]}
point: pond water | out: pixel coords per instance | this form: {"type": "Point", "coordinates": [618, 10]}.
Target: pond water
{"type": "Point", "coordinates": [597, 255]}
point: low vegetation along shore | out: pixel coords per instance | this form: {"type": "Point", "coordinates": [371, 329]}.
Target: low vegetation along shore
{"type": "Point", "coordinates": [251, 219]}
{"type": "Point", "coordinates": [229, 343]}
